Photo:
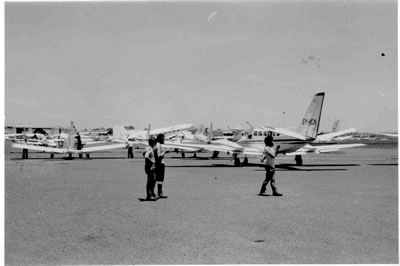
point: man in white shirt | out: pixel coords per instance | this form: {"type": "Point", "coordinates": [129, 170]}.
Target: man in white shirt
{"type": "Point", "coordinates": [269, 157]}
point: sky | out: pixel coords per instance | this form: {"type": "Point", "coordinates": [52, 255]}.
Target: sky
{"type": "Point", "coordinates": [163, 63]}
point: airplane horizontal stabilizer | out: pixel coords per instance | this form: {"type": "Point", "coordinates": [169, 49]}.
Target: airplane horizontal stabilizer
{"type": "Point", "coordinates": [335, 147]}
{"type": "Point", "coordinates": [324, 148]}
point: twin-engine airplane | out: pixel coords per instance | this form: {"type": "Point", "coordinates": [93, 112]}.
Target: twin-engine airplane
{"type": "Point", "coordinates": [67, 143]}
{"type": "Point", "coordinates": [291, 141]}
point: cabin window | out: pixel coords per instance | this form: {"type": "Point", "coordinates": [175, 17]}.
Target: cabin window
{"type": "Point", "coordinates": [265, 133]}
{"type": "Point", "coordinates": [255, 133]}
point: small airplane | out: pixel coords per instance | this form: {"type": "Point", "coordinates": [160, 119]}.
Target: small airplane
{"type": "Point", "coordinates": [198, 142]}
{"type": "Point", "coordinates": [67, 143]}
{"type": "Point", "coordinates": [120, 134]}
{"type": "Point", "coordinates": [33, 138]}
{"type": "Point", "coordinates": [289, 140]}
{"type": "Point", "coordinates": [297, 141]}
{"type": "Point", "coordinates": [233, 133]}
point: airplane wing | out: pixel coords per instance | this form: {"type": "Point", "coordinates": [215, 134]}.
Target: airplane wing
{"type": "Point", "coordinates": [38, 148]}
{"type": "Point", "coordinates": [285, 131]}
{"type": "Point", "coordinates": [205, 146]}
{"type": "Point", "coordinates": [94, 142]}
{"type": "Point", "coordinates": [101, 148]}
{"type": "Point", "coordinates": [323, 148]}
{"type": "Point", "coordinates": [332, 135]}
{"type": "Point", "coordinates": [182, 147]}
{"type": "Point", "coordinates": [390, 134]}
{"type": "Point", "coordinates": [252, 151]}
{"type": "Point", "coordinates": [59, 150]}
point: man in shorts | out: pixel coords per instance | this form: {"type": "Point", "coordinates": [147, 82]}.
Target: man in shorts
{"type": "Point", "coordinates": [159, 152]}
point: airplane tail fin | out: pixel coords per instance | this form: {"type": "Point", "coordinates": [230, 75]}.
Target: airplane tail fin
{"type": "Point", "coordinates": [120, 133]}
{"type": "Point", "coordinates": [148, 131]}
{"type": "Point", "coordinates": [310, 123]}
{"type": "Point", "coordinates": [237, 135]}
{"type": "Point", "coordinates": [251, 126]}
{"type": "Point", "coordinates": [69, 140]}
{"type": "Point", "coordinates": [200, 129]}
{"type": "Point", "coordinates": [210, 134]}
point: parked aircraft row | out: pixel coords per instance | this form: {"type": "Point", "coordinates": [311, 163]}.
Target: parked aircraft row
{"type": "Point", "coordinates": [293, 141]}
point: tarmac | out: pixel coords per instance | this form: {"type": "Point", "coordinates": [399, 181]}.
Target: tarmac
{"type": "Point", "coordinates": [336, 208]}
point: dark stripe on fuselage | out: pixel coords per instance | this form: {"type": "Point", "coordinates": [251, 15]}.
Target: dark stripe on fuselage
{"type": "Point", "coordinates": [285, 141]}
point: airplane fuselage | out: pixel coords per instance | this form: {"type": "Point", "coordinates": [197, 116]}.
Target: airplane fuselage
{"type": "Point", "coordinates": [286, 144]}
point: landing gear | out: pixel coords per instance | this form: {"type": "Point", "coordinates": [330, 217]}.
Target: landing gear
{"type": "Point", "coordinates": [245, 161]}
{"type": "Point", "coordinates": [52, 156]}
{"type": "Point", "coordinates": [183, 154]}
{"type": "Point", "coordinates": [236, 160]}
{"type": "Point", "coordinates": [70, 156]}
{"type": "Point", "coordinates": [299, 160]}
{"type": "Point", "coordinates": [25, 154]}
{"type": "Point", "coordinates": [87, 155]}
{"type": "Point", "coordinates": [194, 155]}
{"type": "Point", "coordinates": [215, 154]}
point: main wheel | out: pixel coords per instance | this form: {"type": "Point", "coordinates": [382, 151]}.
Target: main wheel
{"type": "Point", "coordinates": [299, 160]}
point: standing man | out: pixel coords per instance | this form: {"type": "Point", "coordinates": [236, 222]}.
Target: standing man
{"type": "Point", "coordinates": [159, 153]}
{"type": "Point", "coordinates": [149, 168]}
{"type": "Point", "coordinates": [79, 144]}
{"type": "Point", "coordinates": [25, 151]}
{"type": "Point", "coordinates": [269, 157]}
{"type": "Point", "coordinates": [130, 149]}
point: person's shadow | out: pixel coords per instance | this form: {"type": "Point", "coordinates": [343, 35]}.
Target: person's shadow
{"type": "Point", "coordinates": [143, 199]}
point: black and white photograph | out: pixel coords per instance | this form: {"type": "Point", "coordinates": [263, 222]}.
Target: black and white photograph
{"type": "Point", "coordinates": [189, 132]}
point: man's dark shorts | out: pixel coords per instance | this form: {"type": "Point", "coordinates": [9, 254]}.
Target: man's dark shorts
{"type": "Point", "coordinates": [160, 172]}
